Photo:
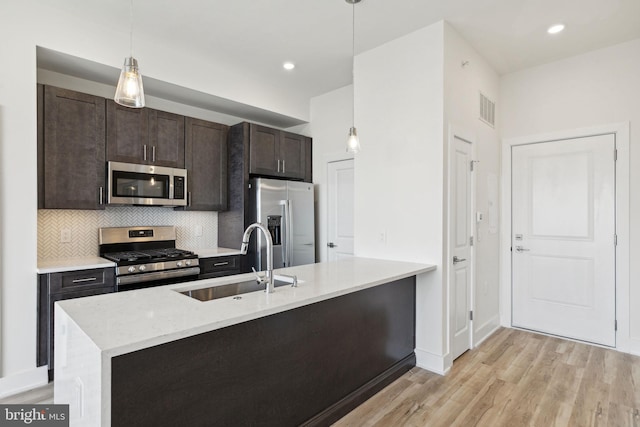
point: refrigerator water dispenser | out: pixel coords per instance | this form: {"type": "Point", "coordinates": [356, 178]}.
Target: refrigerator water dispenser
{"type": "Point", "coordinates": [274, 225]}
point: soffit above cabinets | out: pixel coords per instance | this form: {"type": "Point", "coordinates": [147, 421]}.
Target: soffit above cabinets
{"type": "Point", "coordinates": [89, 70]}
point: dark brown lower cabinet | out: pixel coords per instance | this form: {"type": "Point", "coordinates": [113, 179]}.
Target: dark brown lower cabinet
{"type": "Point", "coordinates": [54, 287]}
{"type": "Point", "coordinates": [219, 266]}
{"type": "Point", "coordinates": [306, 366]}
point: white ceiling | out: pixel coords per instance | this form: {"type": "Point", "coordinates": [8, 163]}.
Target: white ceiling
{"type": "Point", "coordinates": [259, 35]}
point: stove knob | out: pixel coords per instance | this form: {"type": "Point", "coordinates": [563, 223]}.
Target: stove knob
{"type": "Point", "coordinates": [142, 268]}
{"type": "Point", "coordinates": [187, 262]}
{"type": "Point", "coordinates": [179, 263]}
{"type": "Point", "coordinates": [131, 269]}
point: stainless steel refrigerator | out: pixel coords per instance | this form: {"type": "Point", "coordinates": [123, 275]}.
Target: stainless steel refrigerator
{"type": "Point", "coordinates": [286, 208]}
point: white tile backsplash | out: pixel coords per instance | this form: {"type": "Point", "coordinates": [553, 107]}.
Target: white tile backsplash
{"type": "Point", "coordinates": [84, 226]}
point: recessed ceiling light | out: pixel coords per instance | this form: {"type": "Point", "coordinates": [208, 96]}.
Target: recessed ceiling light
{"type": "Point", "coordinates": [555, 29]}
{"type": "Point", "coordinates": [289, 65]}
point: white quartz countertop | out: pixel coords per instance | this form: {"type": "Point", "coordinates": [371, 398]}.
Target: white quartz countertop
{"type": "Point", "coordinates": [72, 264]}
{"type": "Point", "coordinates": [122, 322]}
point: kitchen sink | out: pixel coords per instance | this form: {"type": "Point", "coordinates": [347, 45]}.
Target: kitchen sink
{"type": "Point", "coordinates": [222, 291]}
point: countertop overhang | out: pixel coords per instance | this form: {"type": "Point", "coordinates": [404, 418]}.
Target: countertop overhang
{"type": "Point", "coordinates": [123, 322]}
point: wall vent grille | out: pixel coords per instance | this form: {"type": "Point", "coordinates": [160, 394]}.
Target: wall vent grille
{"type": "Point", "coordinates": [487, 110]}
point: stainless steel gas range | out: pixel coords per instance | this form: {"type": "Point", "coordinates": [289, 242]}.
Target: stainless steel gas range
{"type": "Point", "coordinates": [147, 256]}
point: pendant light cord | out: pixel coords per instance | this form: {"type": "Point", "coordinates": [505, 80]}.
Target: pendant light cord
{"type": "Point", "coordinates": [131, 27]}
{"type": "Point", "coordinates": [353, 65]}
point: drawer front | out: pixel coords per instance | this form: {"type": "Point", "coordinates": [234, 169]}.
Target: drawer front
{"type": "Point", "coordinates": [219, 266]}
{"type": "Point", "coordinates": [72, 281]}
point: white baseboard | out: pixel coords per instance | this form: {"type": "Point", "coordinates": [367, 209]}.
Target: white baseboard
{"type": "Point", "coordinates": [432, 362]}
{"type": "Point", "coordinates": [486, 330]}
{"type": "Point", "coordinates": [629, 345]}
{"type": "Point", "coordinates": [23, 381]}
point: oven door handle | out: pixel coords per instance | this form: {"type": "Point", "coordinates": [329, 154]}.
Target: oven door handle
{"type": "Point", "coordinates": [157, 275]}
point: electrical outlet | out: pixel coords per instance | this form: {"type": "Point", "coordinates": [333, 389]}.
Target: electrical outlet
{"type": "Point", "coordinates": [382, 236]}
{"type": "Point", "coordinates": [65, 235]}
{"type": "Point", "coordinates": [198, 231]}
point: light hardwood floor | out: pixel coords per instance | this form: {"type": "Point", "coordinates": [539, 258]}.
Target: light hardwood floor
{"type": "Point", "coordinates": [514, 378]}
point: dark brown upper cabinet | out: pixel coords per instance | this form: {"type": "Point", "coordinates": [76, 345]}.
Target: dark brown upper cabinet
{"type": "Point", "coordinates": [279, 154]}
{"type": "Point", "coordinates": [206, 163]}
{"type": "Point", "coordinates": [71, 149]}
{"type": "Point", "coordinates": [144, 136]}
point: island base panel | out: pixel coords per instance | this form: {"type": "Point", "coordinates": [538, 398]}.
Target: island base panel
{"type": "Point", "coordinates": [310, 365]}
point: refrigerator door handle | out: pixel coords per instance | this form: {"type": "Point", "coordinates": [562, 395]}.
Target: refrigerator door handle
{"type": "Point", "coordinates": [289, 230]}
{"type": "Point", "coordinates": [286, 231]}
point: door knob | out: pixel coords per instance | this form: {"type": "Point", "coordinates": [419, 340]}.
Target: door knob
{"type": "Point", "coordinates": [521, 249]}
{"type": "Point", "coordinates": [457, 260]}
{"type": "Point", "coordinates": [332, 245]}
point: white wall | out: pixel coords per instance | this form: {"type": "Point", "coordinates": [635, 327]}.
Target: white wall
{"type": "Point", "coordinates": [594, 89]}
{"type": "Point", "coordinates": [330, 123]}
{"type": "Point", "coordinates": [463, 84]}
{"type": "Point", "coordinates": [399, 172]}
{"type": "Point", "coordinates": [407, 93]}
{"type": "Point", "coordinates": [25, 24]}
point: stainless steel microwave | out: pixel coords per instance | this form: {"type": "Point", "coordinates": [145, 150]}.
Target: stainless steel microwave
{"type": "Point", "coordinates": [145, 185]}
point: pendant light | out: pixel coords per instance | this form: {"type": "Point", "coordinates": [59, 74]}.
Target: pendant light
{"type": "Point", "coordinates": [130, 92]}
{"type": "Point", "coordinates": [353, 143]}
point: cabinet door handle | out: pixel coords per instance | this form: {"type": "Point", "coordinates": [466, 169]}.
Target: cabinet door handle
{"type": "Point", "coordinates": [101, 196]}
{"type": "Point", "coordinates": [188, 198]}
{"type": "Point", "coordinates": [220, 264]}
{"type": "Point", "coordinates": [144, 152]}
{"type": "Point", "coordinates": [283, 166]}
{"type": "Point", "coordinates": [88, 279]}
{"type": "Point", "coordinates": [153, 154]}
{"type": "Point", "coordinates": [278, 165]}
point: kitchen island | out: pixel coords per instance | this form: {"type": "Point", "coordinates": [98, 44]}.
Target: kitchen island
{"type": "Point", "coordinates": [305, 354]}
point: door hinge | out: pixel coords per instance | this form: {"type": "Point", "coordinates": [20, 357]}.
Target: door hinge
{"type": "Point", "coordinates": [615, 155]}
{"type": "Point", "coordinates": [471, 164]}
{"type": "Point", "coordinates": [471, 240]}
{"type": "Point", "coordinates": [616, 325]}
{"type": "Point", "coordinates": [615, 240]}
{"type": "Point", "coordinates": [471, 315]}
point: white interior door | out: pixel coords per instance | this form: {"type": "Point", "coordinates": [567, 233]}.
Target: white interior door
{"type": "Point", "coordinates": [563, 238]}
{"type": "Point", "coordinates": [461, 230]}
{"type": "Point", "coordinates": [340, 210]}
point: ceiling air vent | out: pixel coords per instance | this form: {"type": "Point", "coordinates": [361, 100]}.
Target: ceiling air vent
{"type": "Point", "coordinates": [487, 110]}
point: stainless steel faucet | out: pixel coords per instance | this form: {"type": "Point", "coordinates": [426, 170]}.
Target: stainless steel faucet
{"type": "Point", "coordinates": [268, 277]}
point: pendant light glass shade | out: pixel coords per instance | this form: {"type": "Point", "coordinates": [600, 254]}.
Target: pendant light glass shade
{"type": "Point", "coordinates": [130, 92]}
{"type": "Point", "coordinates": [353, 143]}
